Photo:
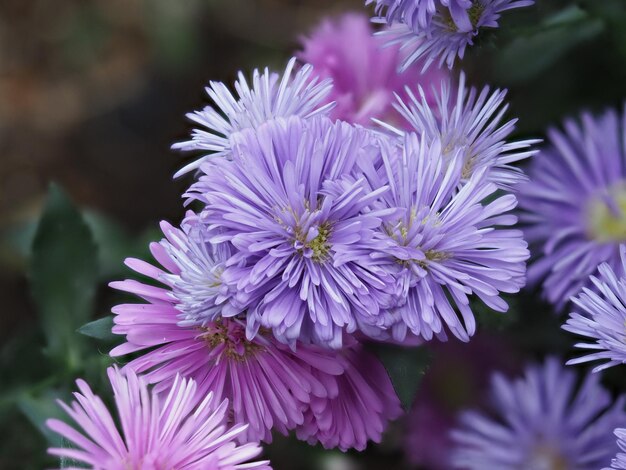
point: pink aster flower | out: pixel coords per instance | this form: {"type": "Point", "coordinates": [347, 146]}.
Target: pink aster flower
{"type": "Point", "coordinates": [180, 430]}
{"type": "Point", "coordinates": [364, 73]}
{"type": "Point", "coordinates": [268, 384]}
{"type": "Point", "coordinates": [359, 411]}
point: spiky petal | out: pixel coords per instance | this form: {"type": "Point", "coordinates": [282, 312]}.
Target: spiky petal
{"type": "Point", "coordinates": [469, 127]}
{"type": "Point", "coordinates": [270, 95]}
{"type": "Point", "coordinates": [601, 317]}
{"type": "Point", "coordinates": [438, 30]}
{"type": "Point", "coordinates": [447, 244]}
{"type": "Point", "coordinates": [180, 430]}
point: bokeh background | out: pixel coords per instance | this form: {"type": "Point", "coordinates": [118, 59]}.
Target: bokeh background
{"type": "Point", "coordinates": [94, 92]}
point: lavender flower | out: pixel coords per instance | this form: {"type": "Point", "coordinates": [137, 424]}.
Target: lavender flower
{"type": "Point", "coordinates": [603, 316]}
{"type": "Point", "coordinates": [270, 96]}
{"type": "Point", "coordinates": [196, 274]}
{"type": "Point", "coordinates": [364, 73]}
{"type": "Point", "coordinates": [180, 430]}
{"type": "Point", "coordinates": [365, 401]}
{"type": "Point", "coordinates": [439, 30]}
{"type": "Point", "coordinates": [468, 127]}
{"type": "Point", "coordinates": [619, 462]}
{"type": "Point", "coordinates": [575, 205]}
{"type": "Point", "coordinates": [541, 421]}
{"type": "Point", "coordinates": [269, 386]}
{"type": "Point", "coordinates": [445, 244]}
{"type": "Point", "coordinates": [306, 263]}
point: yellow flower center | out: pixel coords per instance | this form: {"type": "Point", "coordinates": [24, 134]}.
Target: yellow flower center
{"type": "Point", "coordinates": [606, 216]}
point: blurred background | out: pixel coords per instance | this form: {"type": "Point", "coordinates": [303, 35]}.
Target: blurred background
{"type": "Point", "coordinates": [92, 95]}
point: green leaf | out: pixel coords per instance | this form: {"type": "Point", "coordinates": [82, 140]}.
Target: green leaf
{"type": "Point", "coordinates": [41, 408]}
{"type": "Point", "coordinates": [114, 244]}
{"type": "Point", "coordinates": [63, 273]}
{"type": "Point", "coordinates": [99, 329]}
{"type": "Point", "coordinates": [406, 368]}
{"type": "Point", "coordinates": [529, 55]}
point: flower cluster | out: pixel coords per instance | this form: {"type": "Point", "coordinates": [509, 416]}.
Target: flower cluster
{"type": "Point", "coordinates": [575, 218]}
{"type": "Point", "coordinates": [438, 30]}
{"type": "Point", "coordinates": [332, 206]}
{"type": "Point", "coordinates": [602, 316]}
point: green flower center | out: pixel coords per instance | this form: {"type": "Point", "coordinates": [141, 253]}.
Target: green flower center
{"type": "Point", "coordinates": [545, 457]}
{"type": "Point", "coordinates": [319, 244]}
{"type": "Point", "coordinates": [433, 256]}
{"type": "Point", "coordinates": [475, 12]}
{"type": "Point", "coordinates": [230, 335]}
{"type": "Point", "coordinates": [606, 216]}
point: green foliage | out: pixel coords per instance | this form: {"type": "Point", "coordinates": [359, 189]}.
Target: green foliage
{"type": "Point", "coordinates": [38, 409]}
{"type": "Point", "coordinates": [406, 368]}
{"type": "Point", "coordinates": [64, 270]}
{"type": "Point", "coordinates": [532, 53]}
{"type": "Point", "coordinates": [99, 329]}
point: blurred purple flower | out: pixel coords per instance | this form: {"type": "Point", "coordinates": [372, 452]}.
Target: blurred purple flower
{"type": "Point", "coordinates": [445, 244]}
{"type": "Point", "coordinates": [541, 421]}
{"type": "Point", "coordinates": [575, 205]}
{"type": "Point", "coordinates": [268, 385]}
{"type": "Point", "coordinates": [602, 317]}
{"type": "Point", "coordinates": [457, 377]}
{"type": "Point", "coordinates": [305, 261]}
{"type": "Point", "coordinates": [438, 30]}
{"type": "Point", "coordinates": [358, 412]}
{"type": "Point", "coordinates": [180, 430]}
{"type": "Point", "coordinates": [619, 462]}
{"type": "Point", "coordinates": [468, 127]}
{"type": "Point", "coordinates": [271, 95]}
{"type": "Point", "coordinates": [364, 73]}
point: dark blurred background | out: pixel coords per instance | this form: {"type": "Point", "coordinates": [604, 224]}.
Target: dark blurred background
{"type": "Point", "coordinates": [94, 92]}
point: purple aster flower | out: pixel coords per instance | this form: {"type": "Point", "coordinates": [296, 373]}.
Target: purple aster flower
{"type": "Point", "coordinates": [439, 30]}
{"type": "Point", "coordinates": [469, 127]}
{"type": "Point", "coordinates": [289, 203]}
{"type": "Point", "coordinates": [268, 385]}
{"type": "Point", "coordinates": [364, 73]}
{"type": "Point", "coordinates": [179, 430]}
{"type": "Point", "coordinates": [619, 462]}
{"type": "Point", "coordinates": [358, 412]}
{"type": "Point", "coordinates": [540, 421]}
{"type": "Point", "coordinates": [448, 244]}
{"type": "Point", "coordinates": [270, 95]}
{"type": "Point", "coordinates": [575, 204]}
{"type": "Point", "coordinates": [603, 316]}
